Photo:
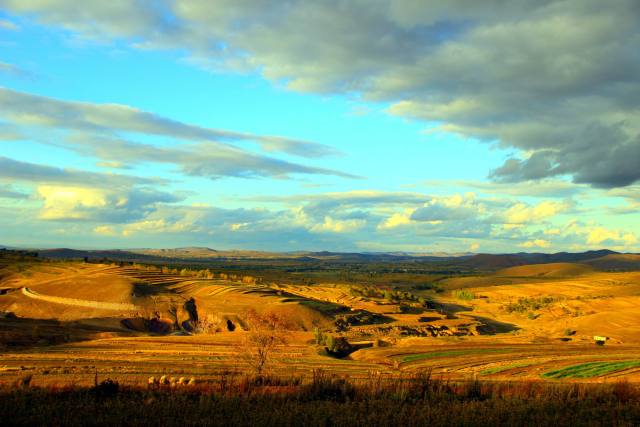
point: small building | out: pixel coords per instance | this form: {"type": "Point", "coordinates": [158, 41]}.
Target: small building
{"type": "Point", "coordinates": [600, 340]}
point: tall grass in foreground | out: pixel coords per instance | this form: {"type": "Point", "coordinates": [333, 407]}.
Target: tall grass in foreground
{"type": "Point", "coordinates": [326, 400]}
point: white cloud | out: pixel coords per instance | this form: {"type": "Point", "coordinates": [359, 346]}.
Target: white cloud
{"type": "Point", "coordinates": [599, 235]}
{"type": "Point", "coordinates": [338, 226]}
{"type": "Point", "coordinates": [537, 243]}
{"type": "Point", "coordinates": [99, 130]}
{"type": "Point", "coordinates": [105, 230]}
{"type": "Point", "coordinates": [552, 79]}
{"type": "Point", "coordinates": [99, 204]}
{"type": "Point", "coordinates": [521, 213]}
{"type": "Point", "coordinates": [397, 220]}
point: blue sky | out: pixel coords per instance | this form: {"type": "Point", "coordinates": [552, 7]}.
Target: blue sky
{"type": "Point", "coordinates": [390, 126]}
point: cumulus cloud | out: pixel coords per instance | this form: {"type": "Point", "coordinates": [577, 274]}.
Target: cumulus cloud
{"type": "Point", "coordinates": [338, 226]}
{"type": "Point", "coordinates": [537, 243]}
{"type": "Point", "coordinates": [554, 79]}
{"type": "Point", "coordinates": [76, 195]}
{"type": "Point", "coordinates": [99, 204]}
{"type": "Point", "coordinates": [578, 235]}
{"type": "Point", "coordinates": [105, 230]}
{"type": "Point", "coordinates": [521, 213]}
{"type": "Point", "coordinates": [397, 219]}
{"type": "Point", "coordinates": [451, 208]}
{"type": "Point", "coordinates": [600, 235]}
{"type": "Point", "coordinates": [124, 215]}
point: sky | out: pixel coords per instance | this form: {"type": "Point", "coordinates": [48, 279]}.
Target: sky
{"type": "Point", "coordinates": [363, 125]}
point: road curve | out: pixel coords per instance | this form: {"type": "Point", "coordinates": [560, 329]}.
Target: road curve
{"type": "Point", "coordinates": [121, 306]}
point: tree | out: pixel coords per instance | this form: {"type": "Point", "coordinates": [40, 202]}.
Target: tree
{"type": "Point", "coordinates": [173, 312]}
{"type": "Point", "coordinates": [318, 336]}
{"type": "Point", "coordinates": [265, 332]}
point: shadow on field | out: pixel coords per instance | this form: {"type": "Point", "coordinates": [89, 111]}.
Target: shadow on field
{"type": "Point", "coordinates": [18, 332]}
{"type": "Point", "coordinates": [492, 327]}
{"type": "Point", "coordinates": [449, 307]}
{"type": "Point", "coordinates": [143, 289]}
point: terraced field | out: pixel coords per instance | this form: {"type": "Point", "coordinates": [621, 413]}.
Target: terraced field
{"type": "Point", "coordinates": [133, 360]}
{"type": "Point", "coordinates": [68, 320]}
{"type": "Point", "coordinates": [510, 361]}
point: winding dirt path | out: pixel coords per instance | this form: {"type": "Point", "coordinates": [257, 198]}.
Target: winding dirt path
{"type": "Point", "coordinates": [121, 306]}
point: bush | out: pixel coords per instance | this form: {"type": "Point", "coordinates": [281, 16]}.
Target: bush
{"type": "Point", "coordinates": [337, 346]}
{"type": "Point", "coordinates": [529, 304]}
{"type": "Point", "coordinates": [107, 388]}
{"type": "Point", "coordinates": [318, 336]}
{"type": "Point", "coordinates": [330, 387]}
{"type": "Point", "coordinates": [463, 294]}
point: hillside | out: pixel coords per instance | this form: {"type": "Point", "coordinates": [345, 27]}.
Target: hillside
{"type": "Point", "coordinates": [616, 262]}
{"type": "Point", "coordinates": [134, 320]}
{"type": "Point", "coordinates": [499, 261]}
{"type": "Point", "coordinates": [546, 270]}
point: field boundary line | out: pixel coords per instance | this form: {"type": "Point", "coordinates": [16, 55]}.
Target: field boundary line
{"type": "Point", "coordinates": [80, 302]}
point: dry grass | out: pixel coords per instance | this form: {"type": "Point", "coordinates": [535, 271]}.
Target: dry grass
{"type": "Point", "coordinates": [326, 399]}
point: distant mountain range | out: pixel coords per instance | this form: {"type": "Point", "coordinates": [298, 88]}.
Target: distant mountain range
{"type": "Point", "coordinates": [492, 261]}
{"type": "Point", "coordinates": [600, 259]}
{"type": "Point", "coordinates": [204, 254]}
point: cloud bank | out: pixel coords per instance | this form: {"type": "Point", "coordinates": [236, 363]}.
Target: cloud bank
{"type": "Point", "coordinates": [555, 80]}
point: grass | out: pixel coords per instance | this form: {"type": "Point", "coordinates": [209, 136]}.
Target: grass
{"type": "Point", "coordinates": [529, 304]}
{"type": "Point", "coordinates": [452, 353]}
{"type": "Point", "coordinates": [592, 369]}
{"type": "Point", "coordinates": [329, 400]}
{"type": "Point", "coordinates": [463, 294]}
{"type": "Point", "coordinates": [503, 368]}
{"type": "Point", "coordinates": [325, 307]}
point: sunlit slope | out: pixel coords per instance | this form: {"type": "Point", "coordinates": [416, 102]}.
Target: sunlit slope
{"type": "Point", "coordinates": [75, 290]}
{"type": "Point", "coordinates": [67, 291]}
{"type": "Point", "coordinates": [561, 269]}
{"type": "Point", "coordinates": [513, 275]}
{"type": "Point", "coordinates": [232, 300]}
{"type": "Point", "coordinates": [561, 308]}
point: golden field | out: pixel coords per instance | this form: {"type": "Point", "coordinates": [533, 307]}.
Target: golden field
{"type": "Point", "coordinates": [66, 321]}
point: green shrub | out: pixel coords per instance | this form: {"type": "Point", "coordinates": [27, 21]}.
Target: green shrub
{"type": "Point", "coordinates": [337, 346]}
{"type": "Point", "coordinates": [318, 336]}
{"type": "Point", "coordinates": [463, 294]}
{"type": "Point", "coordinates": [525, 305]}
